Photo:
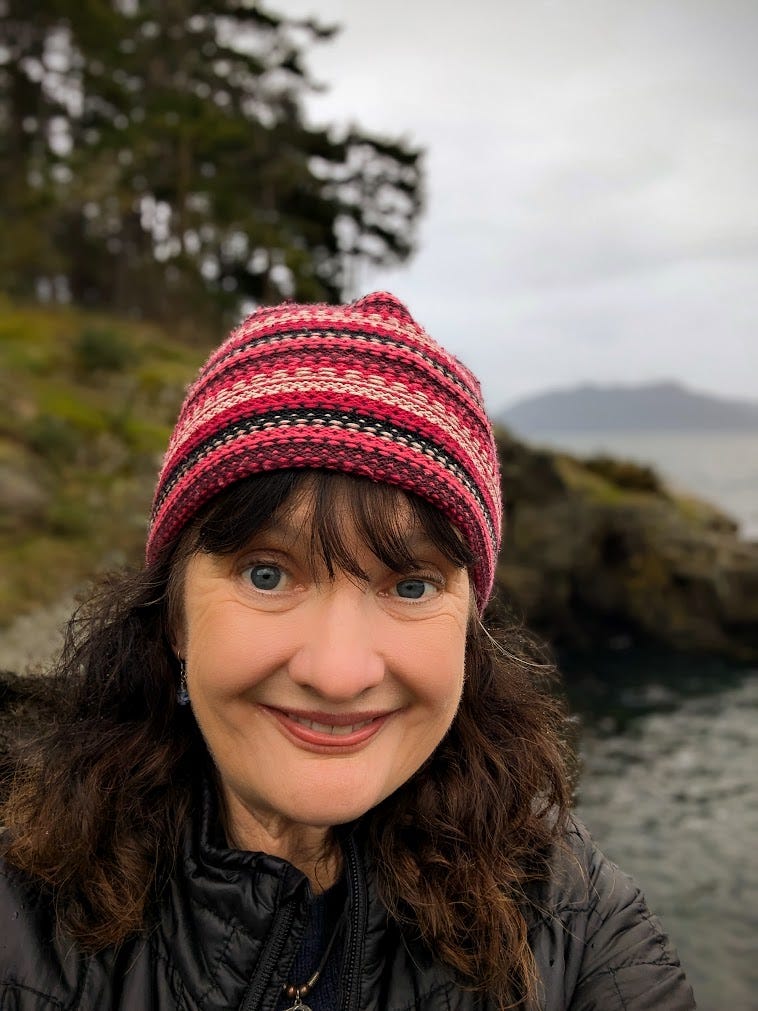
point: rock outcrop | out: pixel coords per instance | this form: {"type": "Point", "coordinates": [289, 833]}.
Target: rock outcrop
{"type": "Point", "coordinates": [600, 552]}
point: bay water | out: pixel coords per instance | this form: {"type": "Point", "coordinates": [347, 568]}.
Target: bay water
{"type": "Point", "coordinates": [669, 747]}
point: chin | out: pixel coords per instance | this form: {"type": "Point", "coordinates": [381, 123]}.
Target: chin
{"type": "Point", "coordinates": [328, 816]}
{"type": "Point", "coordinates": [335, 807]}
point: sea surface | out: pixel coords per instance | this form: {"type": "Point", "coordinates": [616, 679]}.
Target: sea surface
{"type": "Point", "coordinates": [669, 748]}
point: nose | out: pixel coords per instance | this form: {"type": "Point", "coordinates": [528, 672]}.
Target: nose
{"type": "Point", "coordinates": [339, 654]}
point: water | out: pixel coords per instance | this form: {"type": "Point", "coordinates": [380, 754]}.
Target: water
{"type": "Point", "coordinates": [669, 786]}
{"type": "Point", "coordinates": [721, 467]}
{"type": "Point", "coordinates": [669, 790]}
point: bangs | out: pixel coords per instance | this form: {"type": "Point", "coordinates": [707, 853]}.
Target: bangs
{"type": "Point", "coordinates": [384, 517]}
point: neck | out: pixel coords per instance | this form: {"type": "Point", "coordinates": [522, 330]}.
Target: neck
{"type": "Point", "coordinates": [309, 848]}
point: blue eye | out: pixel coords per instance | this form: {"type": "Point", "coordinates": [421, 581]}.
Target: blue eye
{"type": "Point", "coordinates": [265, 577]}
{"type": "Point", "coordinates": [412, 589]}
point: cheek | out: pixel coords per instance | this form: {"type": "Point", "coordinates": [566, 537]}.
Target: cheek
{"type": "Point", "coordinates": [229, 649]}
{"type": "Point", "coordinates": [434, 660]}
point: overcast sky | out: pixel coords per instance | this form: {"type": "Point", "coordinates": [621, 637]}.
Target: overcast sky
{"type": "Point", "coordinates": [592, 167]}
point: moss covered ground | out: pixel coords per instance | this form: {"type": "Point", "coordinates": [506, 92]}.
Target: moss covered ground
{"type": "Point", "coordinates": [86, 407]}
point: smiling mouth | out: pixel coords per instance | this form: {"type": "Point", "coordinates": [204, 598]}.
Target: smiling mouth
{"type": "Point", "coordinates": [336, 730]}
{"type": "Point", "coordinates": [330, 733]}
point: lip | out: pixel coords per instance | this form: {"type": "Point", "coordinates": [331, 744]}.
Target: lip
{"type": "Point", "coordinates": [295, 722]}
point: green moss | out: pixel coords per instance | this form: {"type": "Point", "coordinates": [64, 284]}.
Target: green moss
{"type": "Point", "coordinates": [163, 382]}
{"type": "Point", "coordinates": [603, 481]}
{"type": "Point", "coordinates": [90, 404]}
{"type": "Point", "coordinates": [103, 349]}
{"type": "Point", "coordinates": [143, 437]}
{"type": "Point", "coordinates": [53, 438]}
{"type": "Point", "coordinates": [78, 412]}
{"type": "Point", "coordinates": [703, 514]}
{"type": "Point", "coordinates": [31, 571]}
{"type": "Point", "coordinates": [34, 340]}
{"type": "Point", "coordinates": [625, 474]}
{"type": "Point", "coordinates": [580, 480]}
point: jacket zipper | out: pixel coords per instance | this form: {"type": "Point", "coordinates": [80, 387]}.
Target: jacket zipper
{"type": "Point", "coordinates": [260, 982]}
{"type": "Point", "coordinates": [354, 937]}
{"type": "Point", "coordinates": [273, 953]}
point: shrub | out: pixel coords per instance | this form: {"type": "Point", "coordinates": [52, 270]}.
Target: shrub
{"type": "Point", "coordinates": [53, 438]}
{"type": "Point", "coordinates": [103, 350]}
{"type": "Point", "coordinates": [625, 474]}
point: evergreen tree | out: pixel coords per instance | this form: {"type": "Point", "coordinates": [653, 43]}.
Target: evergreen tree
{"type": "Point", "coordinates": [156, 159]}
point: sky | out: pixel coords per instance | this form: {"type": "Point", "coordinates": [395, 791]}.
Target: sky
{"type": "Point", "coordinates": [592, 180]}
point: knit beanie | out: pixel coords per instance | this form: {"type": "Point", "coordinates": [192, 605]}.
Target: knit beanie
{"type": "Point", "coordinates": [361, 389]}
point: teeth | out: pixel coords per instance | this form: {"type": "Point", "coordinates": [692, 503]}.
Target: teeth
{"type": "Point", "coordinates": [328, 728]}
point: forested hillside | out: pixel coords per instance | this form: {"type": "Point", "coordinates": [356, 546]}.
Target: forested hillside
{"type": "Point", "coordinates": [157, 161]}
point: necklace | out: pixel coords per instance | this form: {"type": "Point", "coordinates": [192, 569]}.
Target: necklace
{"type": "Point", "coordinates": [297, 993]}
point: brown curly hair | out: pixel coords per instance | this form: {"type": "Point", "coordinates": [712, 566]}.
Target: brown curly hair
{"type": "Point", "coordinates": [96, 805]}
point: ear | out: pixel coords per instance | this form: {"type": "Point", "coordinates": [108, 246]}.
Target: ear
{"type": "Point", "coordinates": [177, 636]}
{"type": "Point", "coordinates": [176, 630]}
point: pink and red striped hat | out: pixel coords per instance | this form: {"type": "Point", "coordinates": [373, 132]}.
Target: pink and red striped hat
{"type": "Point", "coordinates": [358, 388]}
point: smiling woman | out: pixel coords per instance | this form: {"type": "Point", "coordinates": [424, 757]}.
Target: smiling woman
{"type": "Point", "coordinates": [318, 689]}
{"type": "Point", "coordinates": [293, 760]}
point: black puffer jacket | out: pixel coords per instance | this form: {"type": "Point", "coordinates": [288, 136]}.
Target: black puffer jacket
{"type": "Point", "coordinates": [231, 922]}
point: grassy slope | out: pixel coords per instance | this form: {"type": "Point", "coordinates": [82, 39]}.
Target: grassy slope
{"type": "Point", "coordinates": [87, 405]}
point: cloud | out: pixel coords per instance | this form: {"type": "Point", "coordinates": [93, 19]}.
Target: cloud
{"type": "Point", "coordinates": [593, 205]}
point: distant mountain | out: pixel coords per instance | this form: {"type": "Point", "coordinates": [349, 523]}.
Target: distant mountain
{"type": "Point", "coordinates": [653, 406]}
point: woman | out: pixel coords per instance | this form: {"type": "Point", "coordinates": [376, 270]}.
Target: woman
{"type": "Point", "coordinates": [291, 767]}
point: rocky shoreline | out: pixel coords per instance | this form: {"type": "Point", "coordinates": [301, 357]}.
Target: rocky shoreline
{"type": "Point", "coordinates": [601, 552]}
{"type": "Point", "coordinates": [32, 640]}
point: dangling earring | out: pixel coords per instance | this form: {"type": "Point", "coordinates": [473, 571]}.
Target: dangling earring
{"type": "Point", "coordinates": [182, 695]}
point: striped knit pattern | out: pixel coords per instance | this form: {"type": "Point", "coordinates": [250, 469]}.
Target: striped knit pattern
{"type": "Point", "coordinates": [360, 389]}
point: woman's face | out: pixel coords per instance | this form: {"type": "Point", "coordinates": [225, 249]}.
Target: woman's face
{"type": "Point", "coordinates": [319, 697]}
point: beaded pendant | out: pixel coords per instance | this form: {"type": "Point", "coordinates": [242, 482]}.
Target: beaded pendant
{"type": "Point", "coordinates": [298, 1005]}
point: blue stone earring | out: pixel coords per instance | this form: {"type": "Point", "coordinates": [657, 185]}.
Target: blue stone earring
{"type": "Point", "coordinates": [182, 695]}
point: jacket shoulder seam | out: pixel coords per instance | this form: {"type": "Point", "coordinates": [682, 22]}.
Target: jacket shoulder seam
{"type": "Point", "coordinates": [644, 916]}
{"type": "Point", "coordinates": [613, 972]}
{"type": "Point", "coordinates": [9, 984]}
{"type": "Point", "coordinates": [230, 921]}
{"type": "Point", "coordinates": [633, 963]}
{"type": "Point", "coordinates": [617, 988]}
{"type": "Point", "coordinates": [214, 983]}
{"type": "Point", "coordinates": [434, 991]}
{"type": "Point", "coordinates": [170, 967]}
{"type": "Point", "coordinates": [231, 927]}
